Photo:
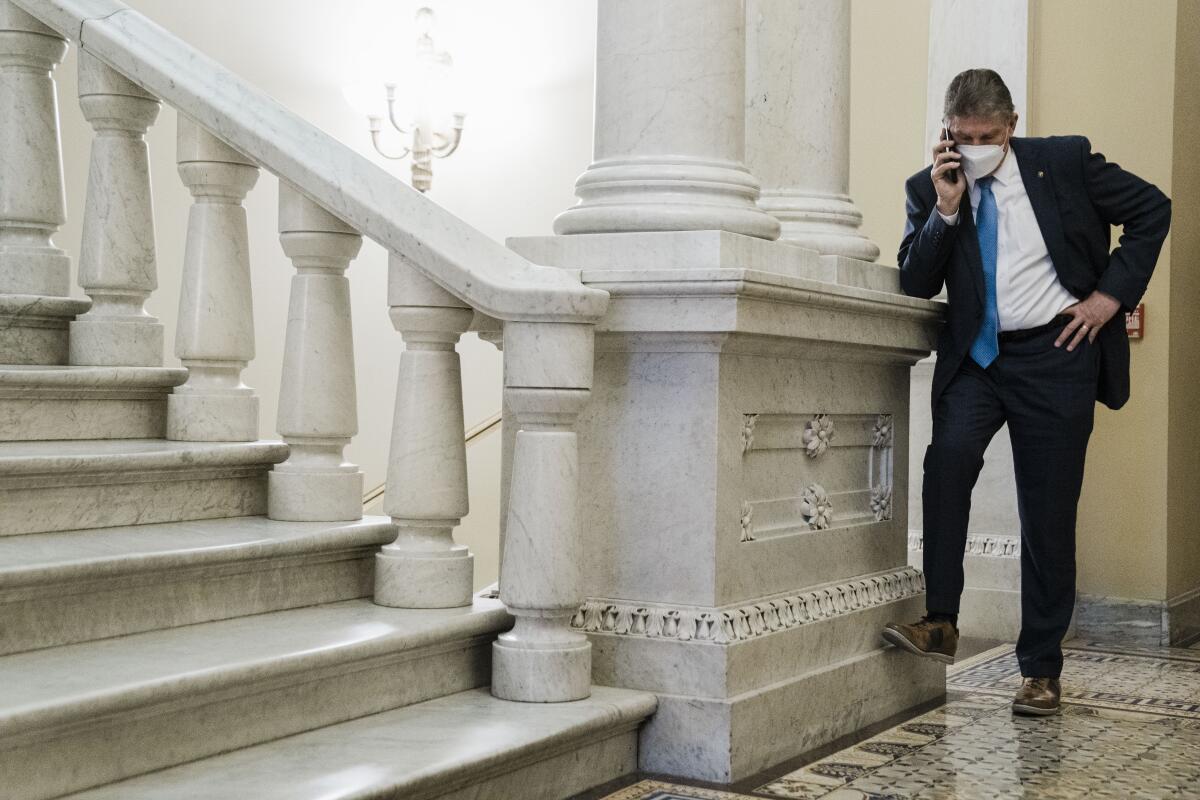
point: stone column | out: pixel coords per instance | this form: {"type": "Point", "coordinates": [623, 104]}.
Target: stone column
{"type": "Point", "coordinates": [670, 117]}
{"type": "Point", "coordinates": [976, 33]}
{"type": "Point", "coordinates": [427, 466]}
{"type": "Point", "coordinates": [215, 335]}
{"type": "Point", "coordinates": [117, 265]}
{"type": "Point", "coordinates": [32, 200]}
{"type": "Point", "coordinates": [798, 122]}
{"type": "Point", "coordinates": [317, 396]}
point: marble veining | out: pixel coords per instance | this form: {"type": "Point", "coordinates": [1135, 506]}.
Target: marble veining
{"type": "Point", "coordinates": [797, 115]}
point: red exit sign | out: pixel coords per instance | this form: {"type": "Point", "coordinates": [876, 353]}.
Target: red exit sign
{"type": "Point", "coordinates": [1135, 322]}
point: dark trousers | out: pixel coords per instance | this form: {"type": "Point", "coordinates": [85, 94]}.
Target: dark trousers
{"type": "Point", "coordinates": [1047, 396]}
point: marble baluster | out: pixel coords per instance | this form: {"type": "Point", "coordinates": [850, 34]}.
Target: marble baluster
{"type": "Point", "coordinates": [798, 122]}
{"type": "Point", "coordinates": [670, 113]}
{"type": "Point", "coordinates": [548, 374]}
{"type": "Point", "coordinates": [317, 401]}
{"type": "Point", "coordinates": [32, 198]}
{"type": "Point", "coordinates": [117, 265]}
{"type": "Point", "coordinates": [215, 334]}
{"type": "Point", "coordinates": [426, 493]}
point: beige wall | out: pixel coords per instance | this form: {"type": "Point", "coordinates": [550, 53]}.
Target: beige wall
{"type": "Point", "coordinates": [1105, 68]}
{"type": "Point", "coordinates": [1183, 445]}
{"type": "Point", "coordinates": [889, 56]}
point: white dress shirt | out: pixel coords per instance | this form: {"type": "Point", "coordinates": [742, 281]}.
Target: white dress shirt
{"type": "Point", "coordinates": [1028, 292]}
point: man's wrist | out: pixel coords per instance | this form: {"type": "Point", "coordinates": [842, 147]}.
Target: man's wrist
{"type": "Point", "coordinates": [949, 219]}
{"type": "Point", "coordinates": [1115, 304]}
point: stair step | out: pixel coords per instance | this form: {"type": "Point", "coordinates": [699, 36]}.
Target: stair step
{"type": "Point", "coordinates": [69, 485]}
{"type": "Point", "coordinates": [38, 402]}
{"type": "Point", "coordinates": [121, 707]}
{"type": "Point", "coordinates": [33, 328]}
{"type": "Point", "coordinates": [467, 745]}
{"type": "Point", "coordinates": [75, 586]}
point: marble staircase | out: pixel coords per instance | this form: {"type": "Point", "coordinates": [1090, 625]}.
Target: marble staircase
{"type": "Point", "coordinates": [76, 586]}
{"type": "Point", "coordinates": [84, 402]}
{"type": "Point", "coordinates": [187, 609]}
{"type": "Point", "coordinates": [123, 706]}
{"type": "Point", "coordinates": [192, 611]}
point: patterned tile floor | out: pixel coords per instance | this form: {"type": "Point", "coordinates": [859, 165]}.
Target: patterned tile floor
{"type": "Point", "coordinates": [1129, 730]}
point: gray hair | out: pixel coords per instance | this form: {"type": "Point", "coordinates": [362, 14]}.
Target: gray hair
{"type": "Point", "coordinates": [978, 93]}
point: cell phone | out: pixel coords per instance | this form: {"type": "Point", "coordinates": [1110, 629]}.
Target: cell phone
{"type": "Point", "coordinates": [951, 174]}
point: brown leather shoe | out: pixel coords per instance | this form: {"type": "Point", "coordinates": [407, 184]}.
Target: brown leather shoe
{"type": "Point", "coordinates": [1037, 697]}
{"type": "Point", "coordinates": [936, 639]}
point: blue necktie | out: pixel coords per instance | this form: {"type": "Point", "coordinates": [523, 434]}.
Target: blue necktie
{"type": "Point", "coordinates": [985, 348]}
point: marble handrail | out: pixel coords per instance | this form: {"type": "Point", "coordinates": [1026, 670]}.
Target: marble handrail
{"type": "Point", "coordinates": [461, 259]}
{"type": "Point", "coordinates": [444, 277]}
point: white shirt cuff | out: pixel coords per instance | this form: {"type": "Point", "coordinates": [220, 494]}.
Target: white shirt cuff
{"type": "Point", "coordinates": [949, 220]}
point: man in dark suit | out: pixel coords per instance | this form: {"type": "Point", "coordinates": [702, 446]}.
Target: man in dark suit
{"type": "Point", "coordinates": [1018, 230]}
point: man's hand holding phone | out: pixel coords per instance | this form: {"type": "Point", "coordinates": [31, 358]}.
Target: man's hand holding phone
{"type": "Point", "coordinates": [947, 175]}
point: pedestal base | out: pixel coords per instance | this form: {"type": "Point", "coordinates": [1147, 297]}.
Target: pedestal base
{"type": "Point", "coordinates": [825, 223]}
{"type": "Point", "coordinates": [116, 343]}
{"type": "Point", "coordinates": [34, 270]}
{"type": "Point", "coordinates": [212, 417]}
{"type": "Point", "coordinates": [746, 687]}
{"type": "Point", "coordinates": [314, 496]}
{"type": "Point", "coordinates": [541, 676]}
{"type": "Point", "coordinates": [404, 580]}
{"type": "Point", "coordinates": [744, 457]}
{"type": "Point", "coordinates": [731, 739]}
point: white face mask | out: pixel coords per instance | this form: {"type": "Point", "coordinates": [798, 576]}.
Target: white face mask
{"type": "Point", "coordinates": [979, 160]}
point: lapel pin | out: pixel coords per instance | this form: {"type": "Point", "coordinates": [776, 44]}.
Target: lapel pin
{"type": "Point", "coordinates": [1041, 174]}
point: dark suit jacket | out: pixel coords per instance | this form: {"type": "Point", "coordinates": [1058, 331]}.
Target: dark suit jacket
{"type": "Point", "coordinates": [1076, 196]}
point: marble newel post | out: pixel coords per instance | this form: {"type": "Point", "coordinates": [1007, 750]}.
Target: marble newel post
{"type": "Point", "coordinates": [669, 136]}
{"type": "Point", "coordinates": [426, 493]}
{"type": "Point", "coordinates": [798, 122]}
{"type": "Point", "coordinates": [117, 266]}
{"type": "Point", "coordinates": [32, 199]}
{"type": "Point", "coordinates": [317, 398]}
{"type": "Point", "coordinates": [215, 334]}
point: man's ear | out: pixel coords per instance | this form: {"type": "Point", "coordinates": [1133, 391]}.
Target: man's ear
{"type": "Point", "coordinates": [1012, 126]}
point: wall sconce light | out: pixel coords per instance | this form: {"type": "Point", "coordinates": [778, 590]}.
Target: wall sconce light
{"type": "Point", "coordinates": [433, 130]}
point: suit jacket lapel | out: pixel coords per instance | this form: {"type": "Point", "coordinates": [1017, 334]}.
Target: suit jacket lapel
{"type": "Point", "coordinates": [1036, 176]}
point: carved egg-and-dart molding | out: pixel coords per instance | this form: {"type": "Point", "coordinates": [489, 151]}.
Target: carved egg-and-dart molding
{"type": "Point", "coordinates": [816, 507]}
{"type": "Point", "coordinates": [818, 432]}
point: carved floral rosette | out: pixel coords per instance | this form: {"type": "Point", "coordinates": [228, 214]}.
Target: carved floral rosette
{"type": "Point", "coordinates": [816, 507]}
{"type": "Point", "coordinates": [818, 433]}
{"type": "Point", "coordinates": [722, 626]}
{"type": "Point", "coordinates": [883, 433]}
{"type": "Point", "coordinates": [881, 502]}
